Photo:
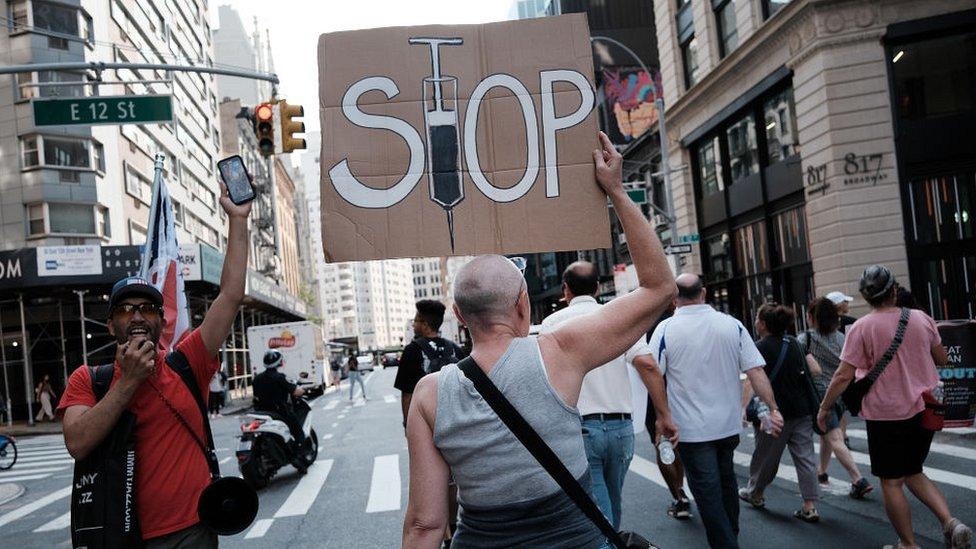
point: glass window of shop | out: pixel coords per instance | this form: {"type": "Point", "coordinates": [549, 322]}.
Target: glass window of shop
{"type": "Point", "coordinates": [710, 167]}
{"type": "Point", "coordinates": [779, 114]}
{"type": "Point", "coordinates": [743, 150]}
{"type": "Point", "coordinates": [935, 77]}
{"type": "Point", "coordinates": [717, 255]}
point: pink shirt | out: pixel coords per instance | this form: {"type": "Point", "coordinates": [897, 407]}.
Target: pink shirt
{"type": "Point", "coordinates": [897, 394]}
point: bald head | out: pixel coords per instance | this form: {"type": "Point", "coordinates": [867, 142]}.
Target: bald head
{"type": "Point", "coordinates": [581, 278]}
{"type": "Point", "coordinates": [486, 289]}
{"type": "Point", "coordinates": [689, 287]}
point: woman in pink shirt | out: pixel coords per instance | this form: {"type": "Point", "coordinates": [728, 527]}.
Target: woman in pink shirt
{"type": "Point", "coordinates": [892, 408]}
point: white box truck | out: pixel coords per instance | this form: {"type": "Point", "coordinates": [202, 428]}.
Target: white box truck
{"type": "Point", "coordinates": [300, 344]}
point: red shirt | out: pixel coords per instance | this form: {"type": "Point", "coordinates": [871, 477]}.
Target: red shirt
{"type": "Point", "coordinates": [171, 470]}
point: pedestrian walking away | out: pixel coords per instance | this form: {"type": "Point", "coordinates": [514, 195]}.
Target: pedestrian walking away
{"type": "Point", "coordinates": [898, 349]}
{"type": "Point", "coordinates": [355, 376]}
{"type": "Point", "coordinates": [507, 498]}
{"type": "Point", "coordinates": [604, 400]}
{"type": "Point", "coordinates": [822, 345]}
{"type": "Point", "coordinates": [217, 391]}
{"type": "Point", "coordinates": [44, 393]}
{"type": "Point", "coordinates": [793, 389]}
{"type": "Point", "coordinates": [702, 352]}
{"type": "Point", "coordinates": [170, 472]}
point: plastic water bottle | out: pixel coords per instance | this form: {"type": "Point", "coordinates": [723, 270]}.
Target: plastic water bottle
{"type": "Point", "coordinates": [762, 411]}
{"type": "Point", "coordinates": [666, 451]}
{"type": "Point", "coordinates": [939, 392]}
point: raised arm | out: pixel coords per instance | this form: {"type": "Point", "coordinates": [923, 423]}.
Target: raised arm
{"type": "Point", "coordinates": [586, 342]}
{"type": "Point", "coordinates": [220, 318]}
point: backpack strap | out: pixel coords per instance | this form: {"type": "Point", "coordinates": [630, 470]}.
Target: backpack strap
{"type": "Point", "coordinates": [101, 379]}
{"type": "Point", "coordinates": [178, 362]}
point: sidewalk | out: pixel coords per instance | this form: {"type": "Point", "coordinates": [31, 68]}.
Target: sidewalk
{"type": "Point", "coordinates": [22, 429]}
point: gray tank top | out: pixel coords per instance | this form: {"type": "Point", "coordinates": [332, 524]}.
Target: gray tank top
{"type": "Point", "coordinates": [506, 497]}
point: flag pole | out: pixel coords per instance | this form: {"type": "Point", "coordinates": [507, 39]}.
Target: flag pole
{"type": "Point", "coordinates": [154, 205]}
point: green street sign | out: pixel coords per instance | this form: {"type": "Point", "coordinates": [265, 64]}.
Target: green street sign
{"type": "Point", "coordinates": [688, 238]}
{"type": "Point", "coordinates": [119, 109]}
{"type": "Point", "coordinates": [638, 196]}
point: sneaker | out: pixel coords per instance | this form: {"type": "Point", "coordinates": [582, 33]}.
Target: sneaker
{"type": "Point", "coordinates": [680, 509]}
{"type": "Point", "coordinates": [807, 515]}
{"type": "Point", "coordinates": [957, 535]}
{"type": "Point", "coordinates": [756, 501]}
{"type": "Point", "coordinates": [822, 478]}
{"type": "Point", "coordinates": [861, 488]}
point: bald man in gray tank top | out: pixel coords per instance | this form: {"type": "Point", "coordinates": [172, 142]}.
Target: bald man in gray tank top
{"type": "Point", "coordinates": [506, 498]}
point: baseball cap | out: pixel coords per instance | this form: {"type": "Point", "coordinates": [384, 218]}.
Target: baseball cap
{"type": "Point", "coordinates": [876, 281]}
{"type": "Point", "coordinates": [839, 297]}
{"type": "Point", "coordinates": [134, 286]}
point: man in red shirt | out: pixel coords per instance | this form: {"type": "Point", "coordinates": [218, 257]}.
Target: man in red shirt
{"type": "Point", "coordinates": [171, 470]}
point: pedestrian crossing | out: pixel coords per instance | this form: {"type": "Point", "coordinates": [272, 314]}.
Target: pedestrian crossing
{"type": "Point", "coordinates": [38, 459]}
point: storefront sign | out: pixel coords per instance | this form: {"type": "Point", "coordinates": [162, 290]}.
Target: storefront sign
{"type": "Point", "coordinates": [264, 289]}
{"type": "Point", "coordinates": [120, 261]}
{"type": "Point", "coordinates": [211, 264]}
{"type": "Point", "coordinates": [959, 374]}
{"type": "Point", "coordinates": [68, 261]}
{"type": "Point", "coordinates": [190, 261]}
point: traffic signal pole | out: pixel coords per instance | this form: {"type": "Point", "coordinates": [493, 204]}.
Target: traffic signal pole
{"type": "Point", "coordinates": [99, 66]}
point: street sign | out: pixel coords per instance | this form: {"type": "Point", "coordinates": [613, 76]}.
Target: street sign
{"type": "Point", "coordinates": [638, 196]}
{"type": "Point", "coordinates": [688, 238]}
{"type": "Point", "coordinates": [677, 249]}
{"type": "Point", "coordinates": [119, 109]}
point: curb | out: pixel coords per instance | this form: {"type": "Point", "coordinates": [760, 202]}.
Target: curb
{"type": "Point", "coordinates": [10, 492]}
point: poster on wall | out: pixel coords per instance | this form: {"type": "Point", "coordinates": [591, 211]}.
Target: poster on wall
{"type": "Point", "coordinates": [959, 374]}
{"type": "Point", "coordinates": [459, 140]}
{"type": "Point", "coordinates": [629, 104]}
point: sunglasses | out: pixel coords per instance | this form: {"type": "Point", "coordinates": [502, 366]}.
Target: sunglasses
{"type": "Point", "coordinates": [146, 310]}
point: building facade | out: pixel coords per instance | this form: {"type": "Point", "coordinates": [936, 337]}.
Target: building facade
{"type": "Point", "coordinates": [811, 138]}
{"type": "Point", "coordinates": [287, 227]}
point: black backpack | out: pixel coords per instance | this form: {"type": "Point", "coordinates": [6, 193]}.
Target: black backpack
{"type": "Point", "coordinates": [443, 353]}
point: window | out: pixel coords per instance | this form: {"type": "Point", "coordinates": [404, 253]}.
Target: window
{"type": "Point", "coordinates": [72, 218]}
{"type": "Point", "coordinates": [60, 91]}
{"type": "Point", "coordinates": [790, 237]}
{"type": "Point", "coordinates": [943, 208]}
{"type": "Point", "coordinates": [98, 151]}
{"type": "Point", "coordinates": [30, 152]}
{"type": "Point", "coordinates": [18, 13]}
{"type": "Point", "coordinates": [780, 117]}
{"type": "Point", "coordinates": [177, 212]}
{"type": "Point", "coordinates": [137, 184]}
{"type": "Point", "coordinates": [717, 252]}
{"type": "Point", "coordinates": [137, 234]}
{"type": "Point", "coordinates": [935, 77]}
{"type": "Point", "coordinates": [770, 7]}
{"type": "Point", "coordinates": [710, 167]}
{"type": "Point", "coordinates": [689, 58]}
{"type": "Point", "coordinates": [104, 225]}
{"type": "Point", "coordinates": [35, 219]}
{"type": "Point", "coordinates": [743, 151]}
{"type": "Point", "coordinates": [66, 153]}
{"type": "Point", "coordinates": [728, 35]}
{"type": "Point", "coordinates": [55, 17]}
{"type": "Point", "coordinates": [751, 249]}
{"type": "Point", "coordinates": [25, 88]}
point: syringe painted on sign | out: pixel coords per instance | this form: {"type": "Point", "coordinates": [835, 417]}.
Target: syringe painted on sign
{"type": "Point", "coordinates": [443, 138]}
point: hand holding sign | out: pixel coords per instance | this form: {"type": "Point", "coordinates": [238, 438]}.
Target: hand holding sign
{"type": "Point", "coordinates": [609, 166]}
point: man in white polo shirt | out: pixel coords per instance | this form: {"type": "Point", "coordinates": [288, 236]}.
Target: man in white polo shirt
{"type": "Point", "coordinates": [702, 352]}
{"type": "Point", "coordinates": [604, 401]}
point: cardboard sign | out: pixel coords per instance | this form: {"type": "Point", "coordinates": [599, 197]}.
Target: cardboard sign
{"type": "Point", "coordinates": [459, 140]}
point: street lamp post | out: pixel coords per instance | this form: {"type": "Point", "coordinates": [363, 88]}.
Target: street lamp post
{"type": "Point", "coordinates": [662, 138]}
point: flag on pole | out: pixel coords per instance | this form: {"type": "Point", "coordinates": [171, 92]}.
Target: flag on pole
{"type": "Point", "coordinates": [161, 264]}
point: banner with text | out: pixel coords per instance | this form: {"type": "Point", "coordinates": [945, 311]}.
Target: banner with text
{"type": "Point", "coordinates": [959, 374]}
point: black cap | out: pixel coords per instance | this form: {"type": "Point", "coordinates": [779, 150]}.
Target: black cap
{"type": "Point", "coordinates": [134, 286]}
{"type": "Point", "coordinates": [876, 282]}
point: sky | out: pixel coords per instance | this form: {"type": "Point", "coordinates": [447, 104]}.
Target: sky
{"type": "Point", "coordinates": [295, 27]}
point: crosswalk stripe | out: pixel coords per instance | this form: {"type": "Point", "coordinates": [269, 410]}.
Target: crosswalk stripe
{"type": "Point", "coordinates": [25, 510]}
{"type": "Point", "coordinates": [6, 476]}
{"type": "Point", "coordinates": [301, 498]}
{"type": "Point", "coordinates": [648, 469]}
{"type": "Point", "coordinates": [59, 523]}
{"type": "Point", "coordinates": [226, 459]}
{"type": "Point", "coordinates": [30, 459]}
{"type": "Point", "coordinates": [341, 416]}
{"type": "Point", "coordinates": [45, 452]}
{"type": "Point", "coordinates": [359, 403]}
{"type": "Point", "coordinates": [259, 529]}
{"type": "Point", "coordinates": [48, 462]}
{"type": "Point", "coordinates": [25, 477]}
{"type": "Point", "coordinates": [390, 399]}
{"type": "Point", "coordinates": [384, 490]}
{"type": "Point", "coordinates": [937, 447]}
{"type": "Point", "coordinates": [938, 475]}
{"type": "Point", "coordinates": [331, 405]}
{"type": "Point", "coordinates": [327, 436]}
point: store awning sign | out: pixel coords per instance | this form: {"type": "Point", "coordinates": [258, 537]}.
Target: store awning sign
{"type": "Point", "coordinates": [463, 139]}
{"type": "Point", "coordinates": [68, 260]}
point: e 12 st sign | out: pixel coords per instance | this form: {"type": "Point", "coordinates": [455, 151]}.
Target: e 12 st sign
{"type": "Point", "coordinates": [119, 109]}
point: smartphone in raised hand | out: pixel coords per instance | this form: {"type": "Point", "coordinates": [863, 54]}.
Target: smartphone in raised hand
{"type": "Point", "coordinates": [238, 181]}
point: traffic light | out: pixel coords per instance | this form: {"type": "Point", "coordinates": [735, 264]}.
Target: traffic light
{"type": "Point", "coordinates": [289, 127]}
{"type": "Point", "coordinates": [264, 128]}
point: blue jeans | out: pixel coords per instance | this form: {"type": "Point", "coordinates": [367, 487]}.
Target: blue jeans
{"type": "Point", "coordinates": [711, 477]}
{"type": "Point", "coordinates": [609, 449]}
{"type": "Point", "coordinates": [355, 376]}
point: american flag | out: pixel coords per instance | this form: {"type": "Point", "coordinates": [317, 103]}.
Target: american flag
{"type": "Point", "coordinates": [161, 262]}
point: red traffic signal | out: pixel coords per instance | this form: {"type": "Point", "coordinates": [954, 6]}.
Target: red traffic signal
{"type": "Point", "coordinates": [264, 128]}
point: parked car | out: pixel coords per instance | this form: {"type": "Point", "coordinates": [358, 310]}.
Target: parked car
{"type": "Point", "coordinates": [365, 362]}
{"type": "Point", "coordinates": [391, 360]}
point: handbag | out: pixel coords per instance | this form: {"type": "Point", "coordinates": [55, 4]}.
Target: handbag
{"type": "Point", "coordinates": [546, 457]}
{"type": "Point", "coordinates": [933, 416]}
{"type": "Point", "coordinates": [752, 408]}
{"type": "Point", "coordinates": [854, 394]}
{"type": "Point", "coordinates": [837, 409]}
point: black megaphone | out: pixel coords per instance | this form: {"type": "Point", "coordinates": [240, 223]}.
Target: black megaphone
{"type": "Point", "coordinates": [228, 506]}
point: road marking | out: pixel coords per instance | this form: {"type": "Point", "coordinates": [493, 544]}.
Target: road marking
{"type": "Point", "coordinates": [49, 462]}
{"type": "Point", "coordinates": [327, 436]}
{"type": "Point", "coordinates": [331, 405]}
{"type": "Point", "coordinates": [259, 529]}
{"type": "Point", "coordinates": [649, 470]}
{"type": "Point", "coordinates": [960, 430]}
{"type": "Point", "coordinates": [25, 477]}
{"type": "Point", "coordinates": [303, 496]}
{"type": "Point", "coordinates": [45, 452]}
{"type": "Point", "coordinates": [33, 457]}
{"type": "Point", "coordinates": [384, 490]}
{"type": "Point", "coordinates": [390, 399]}
{"type": "Point", "coordinates": [19, 471]}
{"type": "Point", "coordinates": [937, 447]}
{"type": "Point", "coordinates": [59, 523]}
{"type": "Point", "coordinates": [226, 459]}
{"type": "Point", "coordinates": [938, 475]}
{"type": "Point", "coordinates": [360, 403]}
{"type": "Point", "coordinates": [341, 416]}
{"type": "Point", "coordinates": [21, 512]}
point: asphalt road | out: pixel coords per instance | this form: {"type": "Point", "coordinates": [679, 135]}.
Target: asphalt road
{"type": "Point", "coordinates": [356, 494]}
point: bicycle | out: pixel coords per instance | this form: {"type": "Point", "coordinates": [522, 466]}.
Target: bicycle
{"type": "Point", "coordinates": [8, 452]}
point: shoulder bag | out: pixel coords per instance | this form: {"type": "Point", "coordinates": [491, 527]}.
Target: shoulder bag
{"type": "Point", "coordinates": [854, 394]}
{"type": "Point", "coordinates": [546, 457]}
{"type": "Point", "coordinates": [752, 408]}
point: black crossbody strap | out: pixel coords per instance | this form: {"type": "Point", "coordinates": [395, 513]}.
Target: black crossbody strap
{"type": "Point", "coordinates": [876, 372]}
{"type": "Point", "coordinates": [780, 359]}
{"type": "Point", "coordinates": [178, 362]}
{"type": "Point", "coordinates": [537, 447]}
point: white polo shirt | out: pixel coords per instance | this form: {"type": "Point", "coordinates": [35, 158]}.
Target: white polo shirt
{"type": "Point", "coordinates": [702, 352]}
{"type": "Point", "coordinates": [606, 389]}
